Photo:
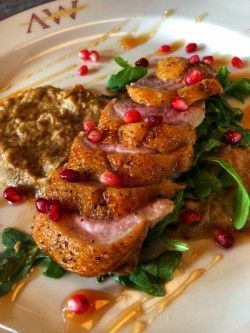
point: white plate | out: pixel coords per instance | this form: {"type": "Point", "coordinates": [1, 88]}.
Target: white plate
{"type": "Point", "coordinates": [46, 52]}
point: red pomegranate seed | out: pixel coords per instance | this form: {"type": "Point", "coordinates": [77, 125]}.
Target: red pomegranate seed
{"type": "Point", "coordinates": [191, 47]}
{"type": "Point", "coordinates": [94, 56]}
{"type": "Point", "coordinates": [110, 179]}
{"type": "Point", "coordinates": [13, 194]}
{"type": "Point", "coordinates": [132, 116]}
{"type": "Point", "coordinates": [78, 304]}
{"type": "Point", "coordinates": [70, 175]}
{"type": "Point", "coordinates": [88, 125]}
{"type": "Point", "coordinates": [237, 62]}
{"type": "Point", "coordinates": [42, 205]}
{"type": "Point", "coordinates": [83, 70]}
{"type": "Point", "coordinates": [142, 62]}
{"type": "Point", "coordinates": [194, 76]}
{"type": "Point", "coordinates": [84, 54]}
{"type": "Point", "coordinates": [155, 120]}
{"type": "Point", "coordinates": [208, 60]}
{"type": "Point", "coordinates": [232, 137]}
{"type": "Point", "coordinates": [223, 238]}
{"type": "Point", "coordinates": [190, 216]}
{"type": "Point", "coordinates": [54, 210]}
{"type": "Point", "coordinates": [179, 104]}
{"type": "Point", "coordinates": [194, 59]}
{"type": "Point", "coordinates": [94, 135]}
{"type": "Point", "coordinates": [164, 48]}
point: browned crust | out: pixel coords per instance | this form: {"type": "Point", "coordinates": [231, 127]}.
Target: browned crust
{"type": "Point", "coordinates": [200, 90]}
{"type": "Point", "coordinates": [172, 69]}
{"type": "Point", "coordinates": [64, 244]}
{"type": "Point", "coordinates": [148, 96]}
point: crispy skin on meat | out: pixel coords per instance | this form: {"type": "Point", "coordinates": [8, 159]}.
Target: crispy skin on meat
{"type": "Point", "coordinates": [95, 201]}
{"type": "Point", "coordinates": [166, 138]}
{"type": "Point", "coordinates": [171, 73]}
{"type": "Point", "coordinates": [93, 247]}
{"type": "Point", "coordinates": [200, 90]}
{"type": "Point", "coordinates": [150, 96]}
{"type": "Point", "coordinates": [172, 69]}
{"type": "Point", "coordinates": [133, 135]}
{"type": "Point", "coordinates": [136, 197]}
{"type": "Point", "coordinates": [141, 169]}
{"type": "Point", "coordinates": [163, 138]}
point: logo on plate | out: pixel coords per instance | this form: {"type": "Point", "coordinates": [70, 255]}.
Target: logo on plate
{"type": "Point", "coordinates": [47, 18]}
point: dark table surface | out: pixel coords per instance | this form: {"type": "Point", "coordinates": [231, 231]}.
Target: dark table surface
{"type": "Point", "coordinates": [11, 7]}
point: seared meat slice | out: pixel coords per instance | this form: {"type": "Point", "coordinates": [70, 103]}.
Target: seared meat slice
{"type": "Point", "coordinates": [150, 90]}
{"type": "Point", "coordinates": [170, 81]}
{"type": "Point", "coordinates": [103, 227]}
{"type": "Point", "coordinates": [200, 90]}
{"type": "Point", "coordinates": [98, 202]}
{"type": "Point", "coordinates": [139, 169]}
{"type": "Point", "coordinates": [92, 247]}
{"type": "Point", "coordinates": [115, 131]}
{"type": "Point", "coordinates": [163, 138]}
{"type": "Point", "coordinates": [92, 162]}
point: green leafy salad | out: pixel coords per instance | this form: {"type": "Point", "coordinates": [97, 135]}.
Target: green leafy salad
{"type": "Point", "coordinates": [160, 255]}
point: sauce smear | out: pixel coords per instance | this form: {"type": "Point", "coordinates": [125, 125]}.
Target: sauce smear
{"type": "Point", "coordinates": [100, 302]}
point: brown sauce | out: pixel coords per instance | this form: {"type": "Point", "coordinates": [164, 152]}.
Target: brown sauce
{"type": "Point", "coordinates": [100, 303]}
{"type": "Point", "coordinates": [129, 42]}
{"type": "Point", "coordinates": [133, 40]}
{"type": "Point", "coordinates": [144, 307]}
{"type": "Point", "coordinates": [201, 18]}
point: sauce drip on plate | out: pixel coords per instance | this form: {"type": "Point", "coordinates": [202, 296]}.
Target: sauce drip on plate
{"type": "Point", "coordinates": [99, 301]}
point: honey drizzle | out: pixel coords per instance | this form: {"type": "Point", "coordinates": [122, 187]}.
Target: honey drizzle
{"type": "Point", "coordinates": [133, 40]}
{"type": "Point", "coordinates": [105, 36]}
{"type": "Point", "coordinates": [201, 17]}
{"type": "Point", "coordinates": [135, 311]}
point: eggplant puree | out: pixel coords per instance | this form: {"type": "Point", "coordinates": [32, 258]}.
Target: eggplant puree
{"type": "Point", "coordinates": [37, 128]}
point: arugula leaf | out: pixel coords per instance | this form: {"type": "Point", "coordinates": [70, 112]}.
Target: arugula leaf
{"type": "Point", "coordinates": [151, 276]}
{"type": "Point", "coordinates": [242, 205]}
{"type": "Point", "coordinates": [127, 75]}
{"type": "Point", "coordinates": [170, 218]}
{"type": "Point", "coordinates": [20, 255]}
{"type": "Point", "coordinates": [239, 89]}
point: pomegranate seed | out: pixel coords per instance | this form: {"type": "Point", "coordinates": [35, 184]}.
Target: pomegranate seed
{"type": "Point", "coordinates": [132, 116]}
{"type": "Point", "coordinates": [54, 210]}
{"type": "Point", "coordinates": [164, 48]}
{"type": "Point", "coordinates": [83, 70]}
{"type": "Point", "coordinates": [42, 205]}
{"type": "Point", "coordinates": [94, 135]}
{"type": "Point", "coordinates": [237, 62]}
{"type": "Point", "coordinates": [179, 104]}
{"type": "Point", "coordinates": [194, 76]}
{"type": "Point", "coordinates": [84, 54]}
{"type": "Point", "coordinates": [223, 238]}
{"type": "Point", "coordinates": [88, 125]}
{"type": "Point", "coordinates": [70, 175]}
{"type": "Point", "coordinates": [232, 137]}
{"type": "Point", "coordinates": [155, 120]}
{"type": "Point", "coordinates": [142, 62]}
{"type": "Point", "coordinates": [194, 59]}
{"type": "Point", "coordinates": [191, 47]}
{"type": "Point", "coordinates": [12, 194]}
{"type": "Point", "coordinates": [94, 56]}
{"type": "Point", "coordinates": [110, 179]}
{"type": "Point", "coordinates": [190, 216]}
{"type": "Point", "coordinates": [78, 304]}
{"type": "Point", "coordinates": [208, 60]}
